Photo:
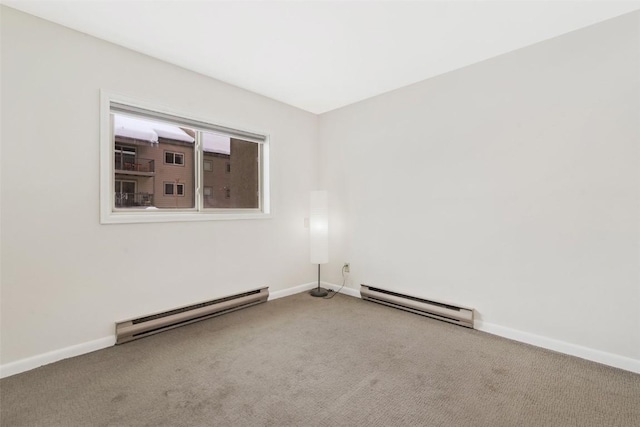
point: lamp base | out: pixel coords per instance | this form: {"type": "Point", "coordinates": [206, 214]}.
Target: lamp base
{"type": "Point", "coordinates": [319, 292]}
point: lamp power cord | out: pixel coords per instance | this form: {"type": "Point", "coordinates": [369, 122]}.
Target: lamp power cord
{"type": "Point", "coordinates": [333, 293]}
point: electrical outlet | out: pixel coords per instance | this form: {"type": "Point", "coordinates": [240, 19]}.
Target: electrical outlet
{"type": "Point", "coordinates": [347, 267]}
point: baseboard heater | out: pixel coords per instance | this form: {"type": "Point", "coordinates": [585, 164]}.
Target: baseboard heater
{"type": "Point", "coordinates": [462, 316]}
{"type": "Point", "coordinates": [152, 324]}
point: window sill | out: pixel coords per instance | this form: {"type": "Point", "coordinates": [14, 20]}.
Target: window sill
{"type": "Point", "coordinates": [141, 216]}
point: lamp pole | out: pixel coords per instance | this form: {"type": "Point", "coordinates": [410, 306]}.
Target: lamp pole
{"type": "Point", "coordinates": [319, 292]}
{"type": "Point", "coordinates": [319, 234]}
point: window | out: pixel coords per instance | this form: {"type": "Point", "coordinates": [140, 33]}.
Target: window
{"type": "Point", "coordinates": [125, 157]}
{"type": "Point", "coordinates": [171, 189]}
{"type": "Point", "coordinates": [168, 188]}
{"type": "Point", "coordinates": [173, 158]}
{"type": "Point", "coordinates": [125, 193]}
{"type": "Point", "coordinates": [140, 147]}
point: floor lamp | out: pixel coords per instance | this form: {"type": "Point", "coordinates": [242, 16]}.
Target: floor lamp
{"type": "Point", "coordinates": [319, 235]}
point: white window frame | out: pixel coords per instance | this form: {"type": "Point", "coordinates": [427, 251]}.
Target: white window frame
{"type": "Point", "coordinates": [174, 189]}
{"type": "Point", "coordinates": [174, 154]}
{"type": "Point", "coordinates": [164, 188]}
{"type": "Point", "coordinates": [111, 215]}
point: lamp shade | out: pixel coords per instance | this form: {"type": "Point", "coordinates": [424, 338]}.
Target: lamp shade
{"type": "Point", "coordinates": [319, 227]}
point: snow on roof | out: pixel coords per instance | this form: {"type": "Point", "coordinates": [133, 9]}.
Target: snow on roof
{"type": "Point", "coordinates": [148, 130]}
{"type": "Point", "coordinates": [213, 143]}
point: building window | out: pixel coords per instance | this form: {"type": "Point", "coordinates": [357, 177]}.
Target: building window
{"type": "Point", "coordinates": [171, 189]}
{"type": "Point", "coordinates": [173, 158]}
{"type": "Point", "coordinates": [125, 193]}
{"type": "Point", "coordinates": [146, 140]}
{"type": "Point", "coordinates": [168, 188]}
{"type": "Point", "coordinates": [125, 157]}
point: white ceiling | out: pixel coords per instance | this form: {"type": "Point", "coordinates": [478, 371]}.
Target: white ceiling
{"type": "Point", "coordinates": [321, 55]}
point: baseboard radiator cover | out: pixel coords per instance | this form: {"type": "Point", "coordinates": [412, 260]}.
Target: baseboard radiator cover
{"type": "Point", "coordinates": [458, 315]}
{"type": "Point", "coordinates": [129, 330]}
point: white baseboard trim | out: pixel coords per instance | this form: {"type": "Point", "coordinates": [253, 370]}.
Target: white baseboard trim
{"type": "Point", "coordinates": [29, 363]}
{"type": "Point", "coordinates": [610, 359]}
{"type": "Point", "coordinates": [345, 290]}
{"type": "Point", "coordinates": [33, 362]}
{"type": "Point", "coordinates": [308, 286]}
{"type": "Point", "coordinates": [593, 355]}
{"type": "Point", "coordinates": [291, 291]}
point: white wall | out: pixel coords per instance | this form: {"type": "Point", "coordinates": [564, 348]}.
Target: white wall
{"type": "Point", "coordinates": [65, 278]}
{"type": "Point", "coordinates": [511, 186]}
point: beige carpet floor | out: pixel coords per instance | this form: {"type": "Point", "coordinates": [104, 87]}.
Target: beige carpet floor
{"type": "Point", "coordinates": [301, 361]}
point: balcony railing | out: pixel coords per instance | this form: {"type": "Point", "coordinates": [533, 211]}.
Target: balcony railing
{"type": "Point", "coordinates": [128, 200]}
{"type": "Point", "coordinates": [129, 163]}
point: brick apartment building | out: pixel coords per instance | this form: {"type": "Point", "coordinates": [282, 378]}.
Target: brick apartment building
{"type": "Point", "coordinates": [154, 167]}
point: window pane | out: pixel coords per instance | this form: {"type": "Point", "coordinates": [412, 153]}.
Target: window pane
{"type": "Point", "coordinates": [128, 187]}
{"type": "Point", "coordinates": [125, 193]}
{"type": "Point", "coordinates": [144, 148]}
{"type": "Point", "coordinates": [151, 158]}
{"type": "Point", "coordinates": [234, 179]}
{"type": "Point", "coordinates": [124, 156]}
{"type": "Point", "coordinates": [168, 189]}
